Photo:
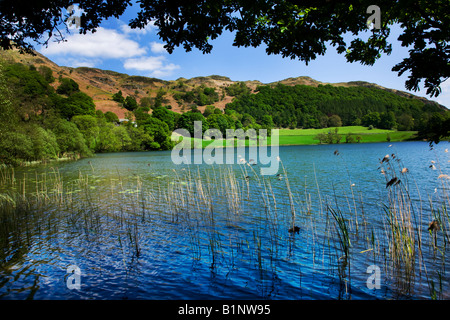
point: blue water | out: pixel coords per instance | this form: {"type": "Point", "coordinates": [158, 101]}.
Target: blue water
{"type": "Point", "coordinates": [138, 227]}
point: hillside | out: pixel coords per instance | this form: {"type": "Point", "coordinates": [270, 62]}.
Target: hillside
{"type": "Point", "coordinates": [53, 112]}
{"type": "Point", "coordinates": [102, 84]}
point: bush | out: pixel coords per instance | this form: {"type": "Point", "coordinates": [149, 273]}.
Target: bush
{"type": "Point", "coordinates": [118, 97]}
{"type": "Point", "coordinates": [68, 87]}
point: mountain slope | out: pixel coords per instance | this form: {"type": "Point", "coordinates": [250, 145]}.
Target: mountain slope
{"type": "Point", "coordinates": [102, 84]}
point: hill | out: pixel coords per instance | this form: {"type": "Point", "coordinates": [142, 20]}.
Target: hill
{"type": "Point", "coordinates": [52, 112]}
{"type": "Point", "coordinates": [102, 84]}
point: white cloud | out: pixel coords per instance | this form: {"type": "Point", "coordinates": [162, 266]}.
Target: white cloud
{"type": "Point", "coordinates": [128, 30]}
{"type": "Point", "coordinates": [444, 97]}
{"type": "Point", "coordinates": [157, 47]}
{"type": "Point", "coordinates": [105, 43]}
{"type": "Point", "coordinates": [82, 63]}
{"type": "Point", "coordinates": [122, 46]}
{"type": "Point", "coordinates": [156, 66]}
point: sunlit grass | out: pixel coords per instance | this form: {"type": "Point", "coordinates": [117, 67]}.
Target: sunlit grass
{"type": "Point", "coordinates": [308, 136]}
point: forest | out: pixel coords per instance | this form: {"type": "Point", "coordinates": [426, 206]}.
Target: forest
{"type": "Point", "coordinates": [44, 118]}
{"type": "Point", "coordinates": [324, 106]}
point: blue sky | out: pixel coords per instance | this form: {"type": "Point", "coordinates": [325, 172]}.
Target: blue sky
{"type": "Point", "coordinates": [117, 47]}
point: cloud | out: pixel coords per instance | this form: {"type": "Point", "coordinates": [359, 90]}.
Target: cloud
{"type": "Point", "coordinates": [147, 29]}
{"type": "Point", "coordinates": [157, 47]}
{"type": "Point", "coordinates": [82, 62]}
{"type": "Point", "coordinates": [121, 46]}
{"type": "Point", "coordinates": [156, 66]}
{"type": "Point", "coordinates": [444, 97]}
{"type": "Point", "coordinates": [105, 43]}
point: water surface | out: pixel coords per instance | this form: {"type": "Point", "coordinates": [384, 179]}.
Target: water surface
{"type": "Point", "coordinates": [140, 227]}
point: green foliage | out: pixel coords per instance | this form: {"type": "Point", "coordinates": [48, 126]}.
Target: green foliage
{"type": "Point", "coordinates": [67, 86]}
{"type": "Point", "coordinates": [141, 114]}
{"type": "Point", "coordinates": [39, 124]}
{"type": "Point", "coordinates": [437, 128]}
{"type": "Point", "coordinates": [111, 117]}
{"type": "Point", "coordinates": [371, 119]}
{"type": "Point", "coordinates": [349, 138]}
{"type": "Point", "coordinates": [187, 120]}
{"type": "Point", "coordinates": [237, 89]}
{"type": "Point", "coordinates": [118, 97]}
{"type": "Point", "coordinates": [331, 137]}
{"type": "Point", "coordinates": [295, 29]}
{"type": "Point", "coordinates": [201, 96]}
{"type": "Point", "coordinates": [15, 147]}
{"type": "Point", "coordinates": [87, 125]}
{"type": "Point", "coordinates": [387, 120]}
{"type": "Point", "coordinates": [160, 132]}
{"type": "Point", "coordinates": [70, 140]}
{"type": "Point", "coordinates": [159, 99]}
{"type": "Point", "coordinates": [47, 73]}
{"type": "Point", "coordinates": [221, 122]}
{"type": "Point", "coordinates": [211, 110]}
{"type": "Point", "coordinates": [30, 92]}
{"type": "Point", "coordinates": [76, 104]}
{"type": "Point", "coordinates": [334, 121]}
{"type": "Point", "coordinates": [165, 116]}
{"type": "Point", "coordinates": [130, 103]}
{"type": "Point", "coordinates": [308, 107]}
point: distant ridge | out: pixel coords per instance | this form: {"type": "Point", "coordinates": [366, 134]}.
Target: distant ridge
{"type": "Point", "coordinates": [102, 84]}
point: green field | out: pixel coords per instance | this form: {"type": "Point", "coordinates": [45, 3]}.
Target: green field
{"type": "Point", "coordinates": [308, 136]}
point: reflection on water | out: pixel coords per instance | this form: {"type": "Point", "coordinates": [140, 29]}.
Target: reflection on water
{"type": "Point", "coordinates": [139, 227]}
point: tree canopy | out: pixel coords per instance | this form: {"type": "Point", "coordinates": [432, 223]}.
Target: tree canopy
{"type": "Point", "coordinates": [295, 29]}
{"type": "Point", "coordinates": [324, 106]}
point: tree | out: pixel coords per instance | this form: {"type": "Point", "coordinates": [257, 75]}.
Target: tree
{"type": "Point", "coordinates": [437, 128]}
{"type": "Point", "coordinates": [349, 138]}
{"type": "Point", "coordinates": [267, 122]}
{"type": "Point", "coordinates": [67, 86]}
{"type": "Point", "coordinates": [221, 122]}
{"type": "Point", "coordinates": [387, 120]}
{"type": "Point", "coordinates": [118, 97]}
{"type": "Point", "coordinates": [76, 104]}
{"type": "Point", "coordinates": [208, 111]}
{"type": "Point", "coordinates": [88, 127]}
{"type": "Point", "coordinates": [15, 147]}
{"type": "Point", "coordinates": [187, 119]}
{"type": "Point", "coordinates": [121, 133]}
{"type": "Point", "coordinates": [334, 121]}
{"type": "Point", "coordinates": [159, 131]}
{"type": "Point", "coordinates": [165, 116]}
{"type": "Point", "coordinates": [44, 142]}
{"type": "Point", "coordinates": [291, 28]}
{"type": "Point", "coordinates": [130, 103]}
{"type": "Point", "coordinates": [111, 117]}
{"type": "Point", "coordinates": [237, 89]}
{"type": "Point", "coordinates": [47, 73]}
{"type": "Point", "coordinates": [371, 119]}
{"type": "Point", "coordinates": [70, 140]}
{"type": "Point", "coordinates": [405, 122]}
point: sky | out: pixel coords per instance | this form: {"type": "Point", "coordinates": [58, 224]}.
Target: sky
{"type": "Point", "coordinates": [115, 46]}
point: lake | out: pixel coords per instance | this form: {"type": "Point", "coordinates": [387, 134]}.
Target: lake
{"type": "Point", "coordinates": [137, 226]}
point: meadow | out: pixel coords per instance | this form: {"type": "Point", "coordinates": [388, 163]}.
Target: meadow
{"type": "Point", "coordinates": [309, 136]}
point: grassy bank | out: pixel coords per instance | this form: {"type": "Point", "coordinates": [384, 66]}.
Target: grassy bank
{"type": "Point", "coordinates": [309, 136]}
